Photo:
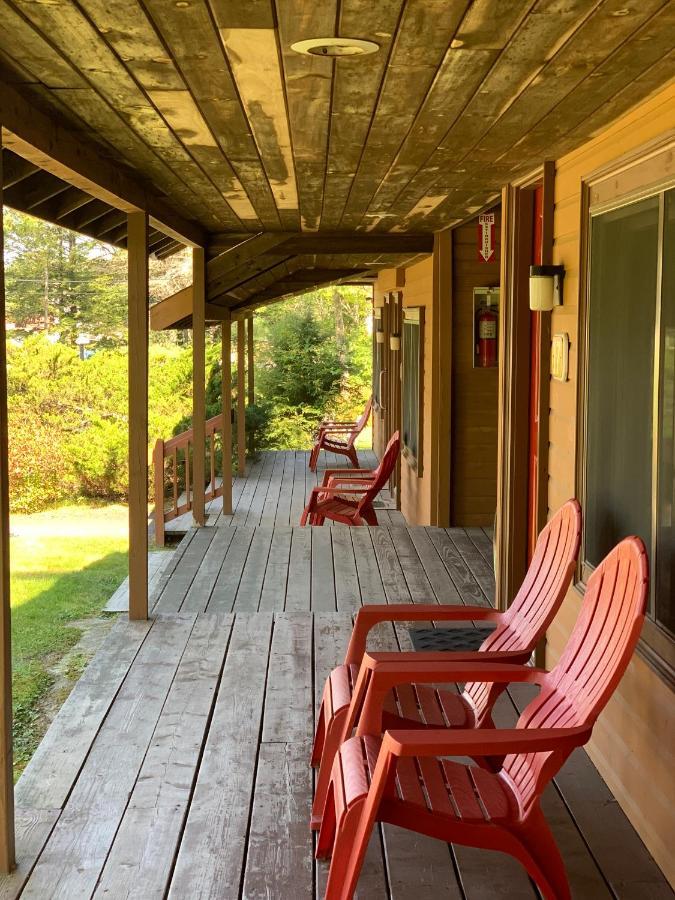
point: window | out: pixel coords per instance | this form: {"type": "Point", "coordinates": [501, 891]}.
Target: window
{"type": "Point", "coordinates": [413, 343]}
{"type": "Point", "coordinates": [630, 411]}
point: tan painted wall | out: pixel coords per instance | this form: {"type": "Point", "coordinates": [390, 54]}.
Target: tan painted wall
{"type": "Point", "coordinates": [416, 491]}
{"type": "Point", "coordinates": [634, 741]}
{"type": "Point", "coordinates": [474, 391]}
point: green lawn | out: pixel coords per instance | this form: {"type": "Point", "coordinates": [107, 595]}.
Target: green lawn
{"type": "Point", "coordinates": [64, 564]}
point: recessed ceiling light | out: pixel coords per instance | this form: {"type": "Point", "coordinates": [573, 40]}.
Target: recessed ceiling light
{"type": "Point", "coordinates": [335, 46]}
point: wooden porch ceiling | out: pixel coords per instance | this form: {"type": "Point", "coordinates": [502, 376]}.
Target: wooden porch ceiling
{"type": "Point", "coordinates": [205, 100]}
{"type": "Point", "coordinates": [29, 189]}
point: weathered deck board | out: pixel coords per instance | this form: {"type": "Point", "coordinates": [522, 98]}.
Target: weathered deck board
{"type": "Point", "coordinates": [179, 766]}
{"type": "Point", "coordinates": [213, 846]}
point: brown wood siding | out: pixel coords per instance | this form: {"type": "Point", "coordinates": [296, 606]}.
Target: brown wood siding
{"type": "Point", "coordinates": [474, 391]}
{"type": "Point", "coordinates": [633, 744]}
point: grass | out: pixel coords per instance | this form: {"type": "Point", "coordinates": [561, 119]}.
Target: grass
{"type": "Point", "coordinates": [64, 566]}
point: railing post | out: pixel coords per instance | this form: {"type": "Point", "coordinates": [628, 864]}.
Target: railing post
{"type": "Point", "coordinates": [226, 399]}
{"type": "Point", "coordinates": [7, 860]}
{"type": "Point", "coordinates": [137, 249]}
{"type": "Point", "coordinates": [158, 469]}
{"type": "Point", "coordinates": [198, 386]}
{"type": "Point", "coordinates": [241, 397]}
{"type": "Point", "coordinates": [250, 374]}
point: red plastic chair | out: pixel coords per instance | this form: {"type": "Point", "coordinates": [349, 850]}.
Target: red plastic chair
{"type": "Point", "coordinates": [404, 778]}
{"type": "Point", "coordinates": [518, 632]}
{"type": "Point", "coordinates": [351, 505]}
{"type": "Point", "coordinates": [328, 435]}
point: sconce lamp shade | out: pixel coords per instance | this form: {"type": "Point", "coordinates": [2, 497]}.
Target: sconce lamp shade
{"type": "Point", "coordinates": [379, 337]}
{"type": "Point", "coordinates": [545, 287]}
{"type": "Point", "coordinates": [394, 341]}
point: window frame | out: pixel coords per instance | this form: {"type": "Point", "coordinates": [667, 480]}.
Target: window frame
{"type": "Point", "coordinates": [645, 173]}
{"type": "Point", "coordinates": [413, 315]}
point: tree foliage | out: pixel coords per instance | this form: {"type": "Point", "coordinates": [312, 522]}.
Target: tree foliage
{"type": "Point", "coordinates": [313, 357]}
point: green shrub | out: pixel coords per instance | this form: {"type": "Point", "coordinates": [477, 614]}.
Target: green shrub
{"type": "Point", "coordinates": [98, 458]}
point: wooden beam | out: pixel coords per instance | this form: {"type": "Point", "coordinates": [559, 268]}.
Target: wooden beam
{"type": "Point", "coordinates": [138, 415]}
{"type": "Point", "coordinates": [42, 140]}
{"type": "Point", "coordinates": [293, 243]}
{"type": "Point", "coordinates": [198, 387]}
{"type": "Point", "coordinates": [276, 292]}
{"type": "Point", "coordinates": [226, 392]}
{"type": "Point", "coordinates": [244, 253]}
{"type": "Point", "coordinates": [34, 190]}
{"type": "Point", "coordinates": [241, 397]}
{"type": "Point", "coordinates": [15, 169]}
{"type": "Point", "coordinates": [176, 311]}
{"type": "Point", "coordinates": [7, 853]}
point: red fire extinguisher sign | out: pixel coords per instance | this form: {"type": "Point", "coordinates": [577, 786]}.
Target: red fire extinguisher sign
{"type": "Point", "coordinates": [486, 237]}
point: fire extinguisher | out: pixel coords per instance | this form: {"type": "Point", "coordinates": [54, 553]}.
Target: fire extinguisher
{"type": "Point", "coordinates": [486, 328]}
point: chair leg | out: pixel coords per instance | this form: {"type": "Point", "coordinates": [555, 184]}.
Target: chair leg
{"type": "Point", "coordinates": [351, 453]}
{"type": "Point", "coordinates": [541, 857]}
{"type": "Point", "coordinates": [331, 745]}
{"type": "Point", "coordinates": [370, 516]}
{"type": "Point", "coordinates": [304, 516]}
{"type": "Point", "coordinates": [349, 851]}
{"type": "Point", "coordinates": [319, 736]}
{"type": "Point", "coordinates": [326, 838]}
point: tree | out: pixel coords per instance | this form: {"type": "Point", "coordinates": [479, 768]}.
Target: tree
{"type": "Point", "coordinates": [62, 283]}
{"type": "Point", "coordinates": [313, 356]}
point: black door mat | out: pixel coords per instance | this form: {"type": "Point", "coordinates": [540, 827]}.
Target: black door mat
{"type": "Point", "coordinates": [435, 639]}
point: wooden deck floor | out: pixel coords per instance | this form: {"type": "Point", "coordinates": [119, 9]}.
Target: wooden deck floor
{"type": "Point", "coordinates": [178, 766]}
{"type": "Point", "coordinates": [274, 489]}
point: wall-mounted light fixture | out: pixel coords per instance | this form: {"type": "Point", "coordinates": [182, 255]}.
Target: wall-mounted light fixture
{"type": "Point", "coordinates": [394, 341]}
{"type": "Point", "coordinates": [379, 337]}
{"type": "Point", "coordinates": [546, 287]}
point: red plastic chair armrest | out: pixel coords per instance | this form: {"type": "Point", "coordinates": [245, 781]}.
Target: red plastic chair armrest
{"type": "Point", "coordinates": [483, 742]}
{"type": "Point", "coordinates": [371, 615]}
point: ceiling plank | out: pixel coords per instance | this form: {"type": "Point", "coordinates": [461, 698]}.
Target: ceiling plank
{"type": "Point", "coordinates": [416, 56]}
{"type": "Point", "coordinates": [34, 190]}
{"type": "Point", "coordinates": [83, 46]}
{"type": "Point", "coordinates": [38, 138]}
{"type": "Point", "coordinates": [149, 62]}
{"type": "Point", "coordinates": [253, 56]}
{"type": "Point", "coordinates": [192, 35]}
{"type": "Point", "coordinates": [498, 116]}
{"type": "Point", "coordinates": [308, 85]}
{"type": "Point", "coordinates": [355, 93]}
{"type": "Point", "coordinates": [15, 169]}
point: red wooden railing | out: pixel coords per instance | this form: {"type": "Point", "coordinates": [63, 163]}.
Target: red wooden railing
{"type": "Point", "coordinates": [172, 468]}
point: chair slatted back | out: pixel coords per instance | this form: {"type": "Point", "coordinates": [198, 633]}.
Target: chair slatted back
{"type": "Point", "coordinates": [540, 596]}
{"type": "Point", "coordinates": [592, 664]}
{"type": "Point", "coordinates": [383, 471]}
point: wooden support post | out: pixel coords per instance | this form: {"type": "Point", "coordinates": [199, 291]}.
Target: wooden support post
{"type": "Point", "coordinates": [137, 247]}
{"type": "Point", "coordinates": [250, 375]}
{"type": "Point", "coordinates": [198, 386]}
{"type": "Point", "coordinates": [441, 380]}
{"type": "Point", "coordinates": [241, 397]}
{"type": "Point", "coordinates": [158, 471]}
{"type": "Point", "coordinates": [7, 860]}
{"type": "Point", "coordinates": [226, 336]}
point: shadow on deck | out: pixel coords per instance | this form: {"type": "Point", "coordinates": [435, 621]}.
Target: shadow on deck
{"type": "Point", "coordinates": [178, 767]}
